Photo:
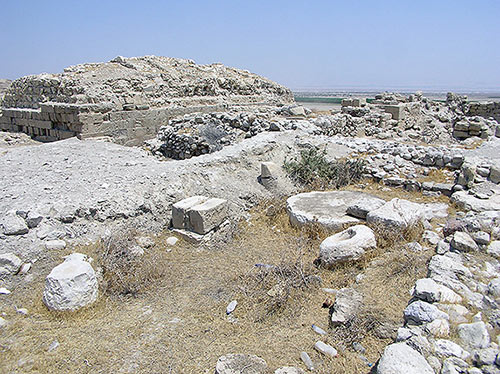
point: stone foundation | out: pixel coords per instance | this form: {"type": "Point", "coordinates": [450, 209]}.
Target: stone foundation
{"type": "Point", "coordinates": [57, 121]}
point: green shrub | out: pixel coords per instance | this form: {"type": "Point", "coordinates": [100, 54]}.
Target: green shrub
{"type": "Point", "coordinates": [312, 169]}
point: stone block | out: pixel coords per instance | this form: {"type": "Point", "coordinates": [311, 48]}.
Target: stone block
{"type": "Point", "coordinates": [180, 219]}
{"type": "Point", "coordinates": [268, 169]}
{"type": "Point", "coordinates": [461, 126]}
{"type": "Point", "coordinates": [396, 111]}
{"type": "Point", "coordinates": [206, 216]}
{"type": "Point", "coordinates": [460, 134]}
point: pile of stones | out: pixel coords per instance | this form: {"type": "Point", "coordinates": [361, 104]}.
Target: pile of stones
{"type": "Point", "coordinates": [197, 134]}
{"type": "Point", "coordinates": [409, 118]}
{"type": "Point", "coordinates": [460, 294]}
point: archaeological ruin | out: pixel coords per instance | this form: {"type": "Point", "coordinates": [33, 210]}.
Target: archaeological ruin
{"type": "Point", "coordinates": [128, 99]}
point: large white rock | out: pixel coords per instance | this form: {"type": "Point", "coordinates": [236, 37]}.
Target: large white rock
{"type": "Point", "coordinates": [399, 358]}
{"type": "Point", "coordinates": [428, 290]}
{"type": "Point", "coordinates": [463, 242]}
{"type": "Point", "coordinates": [474, 335]}
{"type": "Point", "coordinates": [346, 305]}
{"type": "Point", "coordinates": [438, 328]}
{"type": "Point", "coordinates": [470, 202]}
{"type": "Point", "coordinates": [208, 215]}
{"type": "Point", "coordinates": [347, 245]}
{"type": "Point", "coordinates": [363, 205]}
{"type": "Point", "coordinates": [329, 209]}
{"type": "Point", "coordinates": [396, 214]}
{"type": "Point", "coordinates": [494, 248]}
{"type": "Point", "coordinates": [447, 348]}
{"type": "Point", "coordinates": [180, 219]}
{"type": "Point", "coordinates": [240, 363]}
{"type": "Point", "coordinates": [71, 285]}
{"type": "Point", "coordinates": [12, 224]}
{"type": "Point", "coordinates": [419, 312]}
{"type": "Point", "coordinates": [9, 264]}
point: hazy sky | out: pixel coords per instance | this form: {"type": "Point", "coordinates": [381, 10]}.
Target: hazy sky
{"type": "Point", "coordinates": [440, 44]}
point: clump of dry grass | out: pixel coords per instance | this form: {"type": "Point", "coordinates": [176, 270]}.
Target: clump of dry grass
{"type": "Point", "coordinates": [126, 271]}
{"type": "Point", "coordinates": [273, 286]}
{"type": "Point", "coordinates": [389, 237]}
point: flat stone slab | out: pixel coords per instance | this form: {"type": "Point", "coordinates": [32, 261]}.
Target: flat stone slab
{"type": "Point", "coordinates": [470, 202]}
{"type": "Point", "coordinates": [329, 209]}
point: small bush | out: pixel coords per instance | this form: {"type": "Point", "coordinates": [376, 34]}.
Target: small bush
{"type": "Point", "coordinates": [124, 270]}
{"type": "Point", "coordinates": [312, 169]}
{"type": "Point", "coordinates": [273, 286]}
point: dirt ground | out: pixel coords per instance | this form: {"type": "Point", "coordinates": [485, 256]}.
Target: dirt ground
{"type": "Point", "coordinates": [178, 323]}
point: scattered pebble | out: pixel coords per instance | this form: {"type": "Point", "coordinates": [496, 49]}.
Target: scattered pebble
{"type": "Point", "coordinates": [172, 240]}
{"type": "Point", "coordinates": [53, 346]}
{"type": "Point", "coordinates": [231, 307]}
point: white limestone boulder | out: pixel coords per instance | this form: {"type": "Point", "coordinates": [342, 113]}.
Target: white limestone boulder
{"type": "Point", "coordinates": [180, 219]}
{"type": "Point", "coordinates": [9, 264]}
{"type": "Point", "coordinates": [420, 312]}
{"type": "Point", "coordinates": [348, 245]}
{"type": "Point", "coordinates": [346, 305]}
{"type": "Point", "coordinates": [494, 248]}
{"type": "Point", "coordinates": [208, 215]}
{"type": "Point", "coordinates": [474, 335]}
{"type": "Point", "coordinates": [396, 214]}
{"type": "Point", "coordinates": [329, 209]}
{"type": "Point", "coordinates": [12, 224]}
{"type": "Point", "coordinates": [428, 290]}
{"type": "Point", "coordinates": [466, 201]}
{"type": "Point", "coordinates": [71, 285]}
{"type": "Point", "coordinates": [399, 358]}
{"type": "Point", "coordinates": [463, 242]}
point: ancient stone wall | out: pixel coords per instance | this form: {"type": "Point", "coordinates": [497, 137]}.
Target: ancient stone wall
{"type": "Point", "coordinates": [56, 121]}
{"type": "Point", "coordinates": [486, 110]}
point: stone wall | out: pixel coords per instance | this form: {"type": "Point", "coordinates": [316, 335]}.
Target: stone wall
{"type": "Point", "coordinates": [57, 121]}
{"type": "Point", "coordinates": [129, 99]}
{"type": "Point", "coordinates": [486, 110]}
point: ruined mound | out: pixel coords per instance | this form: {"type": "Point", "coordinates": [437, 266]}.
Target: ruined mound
{"type": "Point", "coordinates": [149, 80]}
{"type": "Point", "coordinates": [128, 99]}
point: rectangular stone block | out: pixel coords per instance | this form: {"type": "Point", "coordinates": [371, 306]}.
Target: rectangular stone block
{"type": "Point", "coordinates": [397, 111]}
{"type": "Point", "coordinates": [461, 126]}
{"type": "Point", "coordinates": [206, 216]}
{"type": "Point", "coordinates": [41, 124]}
{"type": "Point", "coordinates": [460, 134]}
{"type": "Point", "coordinates": [356, 102]}
{"type": "Point", "coordinates": [65, 134]}
{"type": "Point", "coordinates": [180, 219]}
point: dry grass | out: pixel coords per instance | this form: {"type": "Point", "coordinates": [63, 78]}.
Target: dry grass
{"type": "Point", "coordinates": [125, 272]}
{"type": "Point", "coordinates": [178, 324]}
{"type": "Point", "coordinates": [377, 189]}
{"type": "Point", "coordinates": [437, 176]}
